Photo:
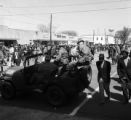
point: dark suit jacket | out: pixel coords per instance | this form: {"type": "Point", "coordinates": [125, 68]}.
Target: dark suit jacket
{"type": "Point", "coordinates": [123, 70]}
{"type": "Point", "coordinates": [129, 68]}
{"type": "Point", "coordinates": [104, 72]}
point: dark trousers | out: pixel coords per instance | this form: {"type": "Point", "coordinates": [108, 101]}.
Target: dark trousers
{"type": "Point", "coordinates": [104, 86]}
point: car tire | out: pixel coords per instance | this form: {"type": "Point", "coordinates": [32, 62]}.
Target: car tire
{"type": "Point", "coordinates": [55, 95]}
{"type": "Point", "coordinates": [8, 90]}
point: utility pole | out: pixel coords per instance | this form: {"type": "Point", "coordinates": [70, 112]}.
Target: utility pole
{"type": "Point", "coordinates": [106, 37]}
{"type": "Point", "coordinates": [51, 28]}
{"type": "Point", "coordinates": [93, 36]}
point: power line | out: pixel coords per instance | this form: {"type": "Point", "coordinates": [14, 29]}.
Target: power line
{"type": "Point", "coordinates": [76, 11]}
{"type": "Point", "coordinates": [102, 2]}
{"type": "Point", "coordinates": [26, 16]}
{"type": "Point", "coordinates": [95, 10]}
{"type": "Point", "coordinates": [68, 5]}
{"type": "Point", "coordinates": [20, 21]}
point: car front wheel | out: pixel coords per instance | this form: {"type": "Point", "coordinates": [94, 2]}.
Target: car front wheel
{"type": "Point", "coordinates": [55, 95]}
{"type": "Point", "coordinates": [8, 90]}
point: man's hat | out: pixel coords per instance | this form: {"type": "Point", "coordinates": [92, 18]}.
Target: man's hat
{"type": "Point", "coordinates": [101, 55]}
{"type": "Point", "coordinates": [80, 40]}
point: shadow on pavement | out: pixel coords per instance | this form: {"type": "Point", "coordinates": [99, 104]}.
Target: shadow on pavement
{"type": "Point", "coordinates": [91, 89]}
{"type": "Point", "coordinates": [119, 88]}
{"type": "Point", "coordinates": [37, 101]}
{"type": "Point", "coordinates": [112, 110]}
{"type": "Point", "coordinates": [116, 79]}
{"type": "Point", "coordinates": [118, 97]}
{"type": "Point", "coordinates": [91, 110]}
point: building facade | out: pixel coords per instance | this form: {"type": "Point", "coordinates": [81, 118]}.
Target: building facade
{"type": "Point", "coordinates": [99, 39]}
{"type": "Point", "coordinates": [27, 36]}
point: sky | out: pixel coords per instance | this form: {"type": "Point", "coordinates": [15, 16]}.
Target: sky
{"type": "Point", "coordinates": [82, 16]}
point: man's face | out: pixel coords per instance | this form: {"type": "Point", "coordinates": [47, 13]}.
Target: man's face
{"type": "Point", "coordinates": [101, 58]}
{"type": "Point", "coordinates": [64, 61]}
{"type": "Point", "coordinates": [81, 45]}
{"type": "Point", "coordinates": [49, 47]}
{"type": "Point", "coordinates": [125, 55]}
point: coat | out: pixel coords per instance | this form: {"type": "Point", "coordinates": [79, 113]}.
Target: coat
{"type": "Point", "coordinates": [122, 69]}
{"type": "Point", "coordinates": [104, 72]}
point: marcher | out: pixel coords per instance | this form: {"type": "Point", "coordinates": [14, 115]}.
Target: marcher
{"type": "Point", "coordinates": [124, 71]}
{"type": "Point", "coordinates": [1, 59]}
{"type": "Point", "coordinates": [83, 50]}
{"type": "Point", "coordinates": [104, 69]}
{"type": "Point", "coordinates": [11, 52]}
{"type": "Point", "coordinates": [16, 56]}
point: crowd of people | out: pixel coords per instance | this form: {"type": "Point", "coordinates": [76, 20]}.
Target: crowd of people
{"type": "Point", "coordinates": [15, 55]}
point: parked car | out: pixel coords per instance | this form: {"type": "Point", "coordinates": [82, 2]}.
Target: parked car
{"type": "Point", "coordinates": [57, 88]}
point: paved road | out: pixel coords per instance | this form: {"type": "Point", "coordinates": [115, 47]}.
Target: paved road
{"type": "Point", "coordinates": [85, 107]}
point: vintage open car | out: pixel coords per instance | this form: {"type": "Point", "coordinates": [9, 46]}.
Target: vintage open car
{"type": "Point", "coordinates": [57, 88]}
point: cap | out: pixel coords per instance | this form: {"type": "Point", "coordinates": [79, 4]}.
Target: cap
{"type": "Point", "coordinates": [80, 40]}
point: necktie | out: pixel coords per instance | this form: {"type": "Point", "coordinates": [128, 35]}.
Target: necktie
{"type": "Point", "coordinates": [102, 64]}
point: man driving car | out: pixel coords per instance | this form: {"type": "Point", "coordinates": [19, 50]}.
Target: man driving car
{"type": "Point", "coordinates": [45, 71]}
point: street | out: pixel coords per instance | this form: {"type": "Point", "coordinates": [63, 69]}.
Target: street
{"type": "Point", "coordinates": [32, 106]}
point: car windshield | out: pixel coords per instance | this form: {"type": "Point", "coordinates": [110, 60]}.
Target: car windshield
{"type": "Point", "coordinates": [34, 60]}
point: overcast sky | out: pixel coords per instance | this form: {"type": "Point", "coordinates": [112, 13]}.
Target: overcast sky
{"type": "Point", "coordinates": [83, 16]}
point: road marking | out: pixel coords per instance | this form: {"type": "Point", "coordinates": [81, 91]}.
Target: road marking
{"type": "Point", "coordinates": [74, 112]}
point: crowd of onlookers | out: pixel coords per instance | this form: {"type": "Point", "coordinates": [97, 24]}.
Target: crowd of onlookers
{"type": "Point", "coordinates": [15, 54]}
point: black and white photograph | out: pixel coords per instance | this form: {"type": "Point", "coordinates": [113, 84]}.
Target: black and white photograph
{"type": "Point", "coordinates": [65, 59]}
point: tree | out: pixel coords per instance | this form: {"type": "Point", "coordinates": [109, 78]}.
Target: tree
{"type": "Point", "coordinates": [123, 35]}
{"type": "Point", "coordinates": [70, 32]}
{"type": "Point", "coordinates": [110, 30]}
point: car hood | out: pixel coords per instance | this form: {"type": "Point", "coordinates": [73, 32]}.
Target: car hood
{"type": "Point", "coordinates": [11, 70]}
